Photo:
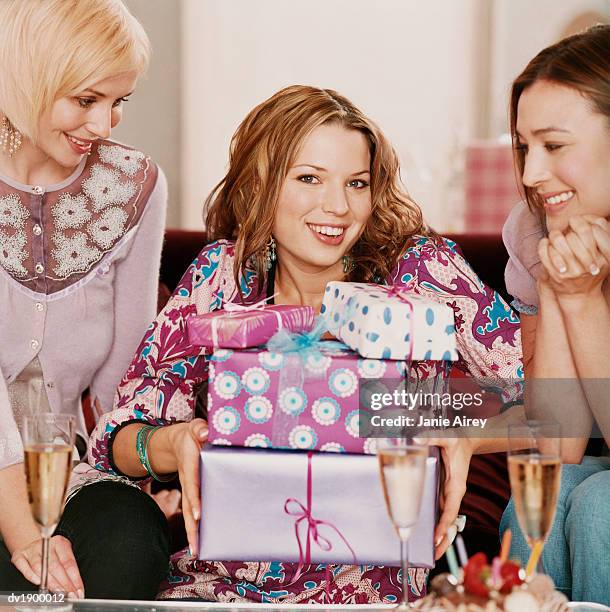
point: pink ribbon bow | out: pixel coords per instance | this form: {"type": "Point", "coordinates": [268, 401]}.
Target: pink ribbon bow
{"type": "Point", "coordinates": [232, 309]}
{"type": "Point", "coordinates": [304, 513]}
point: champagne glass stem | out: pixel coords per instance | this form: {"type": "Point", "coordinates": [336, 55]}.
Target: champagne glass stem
{"type": "Point", "coordinates": [44, 575]}
{"type": "Point", "coordinates": [404, 562]}
{"type": "Point", "coordinates": [535, 560]}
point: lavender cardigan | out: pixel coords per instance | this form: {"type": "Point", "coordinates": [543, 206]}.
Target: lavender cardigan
{"type": "Point", "coordinates": [79, 264]}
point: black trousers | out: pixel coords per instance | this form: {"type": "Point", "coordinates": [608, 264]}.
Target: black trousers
{"type": "Point", "coordinates": [120, 541]}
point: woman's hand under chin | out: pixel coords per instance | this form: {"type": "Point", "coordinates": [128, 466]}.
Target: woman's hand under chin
{"type": "Point", "coordinates": [576, 262]}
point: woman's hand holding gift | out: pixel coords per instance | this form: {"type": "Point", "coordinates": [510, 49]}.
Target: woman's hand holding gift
{"type": "Point", "coordinates": [185, 441]}
{"type": "Point", "coordinates": [456, 454]}
{"type": "Point", "coordinates": [577, 262]}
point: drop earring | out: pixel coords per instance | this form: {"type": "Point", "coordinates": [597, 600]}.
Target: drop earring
{"type": "Point", "coordinates": [10, 137]}
{"type": "Point", "coordinates": [270, 254]}
{"type": "Point", "coordinates": [348, 264]}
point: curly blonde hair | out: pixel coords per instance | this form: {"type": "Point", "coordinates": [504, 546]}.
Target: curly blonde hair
{"type": "Point", "coordinates": [243, 205]}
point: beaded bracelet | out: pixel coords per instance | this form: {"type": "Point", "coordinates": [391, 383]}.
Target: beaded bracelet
{"type": "Point", "coordinates": [142, 439]}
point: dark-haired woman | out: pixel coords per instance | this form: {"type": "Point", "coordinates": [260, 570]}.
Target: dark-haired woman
{"type": "Point", "coordinates": [559, 242]}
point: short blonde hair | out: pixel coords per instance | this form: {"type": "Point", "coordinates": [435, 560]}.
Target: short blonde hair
{"type": "Point", "coordinates": [53, 48]}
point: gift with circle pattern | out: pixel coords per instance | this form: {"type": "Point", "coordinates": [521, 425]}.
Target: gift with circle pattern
{"type": "Point", "coordinates": [250, 404]}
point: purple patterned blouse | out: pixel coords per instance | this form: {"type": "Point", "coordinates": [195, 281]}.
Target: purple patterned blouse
{"type": "Point", "coordinates": [161, 384]}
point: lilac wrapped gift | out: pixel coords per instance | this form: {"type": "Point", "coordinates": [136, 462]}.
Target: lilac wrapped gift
{"type": "Point", "coordinates": [258, 398]}
{"type": "Point", "coordinates": [252, 498]}
{"type": "Point", "coordinates": [238, 326]}
{"type": "Point", "coordinates": [388, 323]}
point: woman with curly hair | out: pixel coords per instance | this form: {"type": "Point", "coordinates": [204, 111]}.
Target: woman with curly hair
{"type": "Point", "coordinates": [312, 195]}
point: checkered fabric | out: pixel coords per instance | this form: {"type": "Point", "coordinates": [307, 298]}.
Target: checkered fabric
{"type": "Point", "coordinates": [490, 187]}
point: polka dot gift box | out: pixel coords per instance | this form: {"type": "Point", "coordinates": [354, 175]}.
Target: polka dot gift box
{"type": "Point", "coordinates": [251, 405]}
{"type": "Point", "coordinates": [385, 323]}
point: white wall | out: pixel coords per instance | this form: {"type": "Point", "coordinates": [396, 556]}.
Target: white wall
{"type": "Point", "coordinates": [521, 29]}
{"type": "Point", "coordinates": [407, 63]}
{"type": "Point", "coordinates": [421, 68]}
{"type": "Point", "coordinates": [152, 116]}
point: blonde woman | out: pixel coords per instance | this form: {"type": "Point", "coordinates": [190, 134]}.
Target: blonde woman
{"type": "Point", "coordinates": [81, 224]}
{"type": "Point", "coordinates": [312, 195]}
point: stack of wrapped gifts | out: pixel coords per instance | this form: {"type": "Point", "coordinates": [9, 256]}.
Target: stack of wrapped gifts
{"type": "Point", "coordinates": [287, 462]}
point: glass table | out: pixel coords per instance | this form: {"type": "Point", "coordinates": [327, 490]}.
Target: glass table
{"type": "Point", "coordinates": [106, 605]}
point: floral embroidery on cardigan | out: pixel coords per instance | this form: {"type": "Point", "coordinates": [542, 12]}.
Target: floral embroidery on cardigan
{"type": "Point", "coordinates": [12, 253]}
{"type": "Point", "coordinates": [70, 211]}
{"type": "Point", "coordinates": [12, 212]}
{"type": "Point", "coordinates": [52, 239]}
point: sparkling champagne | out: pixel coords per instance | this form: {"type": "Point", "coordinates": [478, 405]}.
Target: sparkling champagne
{"type": "Point", "coordinates": [402, 478]}
{"type": "Point", "coordinates": [47, 469]}
{"type": "Point", "coordinates": [534, 481]}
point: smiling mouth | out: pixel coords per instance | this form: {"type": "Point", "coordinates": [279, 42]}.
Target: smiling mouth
{"type": "Point", "coordinates": [328, 234]}
{"type": "Point", "coordinates": [327, 230]}
{"type": "Point", "coordinates": [559, 198]}
{"type": "Point", "coordinates": [81, 146]}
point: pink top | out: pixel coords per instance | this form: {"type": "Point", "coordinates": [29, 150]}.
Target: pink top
{"type": "Point", "coordinates": [521, 233]}
{"type": "Point", "coordinates": [79, 264]}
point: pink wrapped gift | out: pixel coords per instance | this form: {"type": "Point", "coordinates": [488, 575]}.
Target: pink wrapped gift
{"type": "Point", "coordinates": [238, 326]}
{"type": "Point", "coordinates": [258, 398]}
{"type": "Point", "coordinates": [305, 508]}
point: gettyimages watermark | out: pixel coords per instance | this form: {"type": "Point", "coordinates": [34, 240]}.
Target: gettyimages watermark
{"type": "Point", "coordinates": [463, 407]}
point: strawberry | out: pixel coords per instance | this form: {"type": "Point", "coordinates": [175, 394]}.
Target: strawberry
{"type": "Point", "coordinates": [476, 562]}
{"type": "Point", "coordinates": [476, 573]}
{"type": "Point", "coordinates": [509, 572]}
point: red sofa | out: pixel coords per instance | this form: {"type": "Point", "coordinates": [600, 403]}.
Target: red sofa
{"type": "Point", "coordinates": [488, 488]}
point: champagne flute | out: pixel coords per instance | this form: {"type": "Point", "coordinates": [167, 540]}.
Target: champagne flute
{"type": "Point", "coordinates": [403, 471]}
{"type": "Point", "coordinates": [534, 468]}
{"type": "Point", "coordinates": [48, 441]}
